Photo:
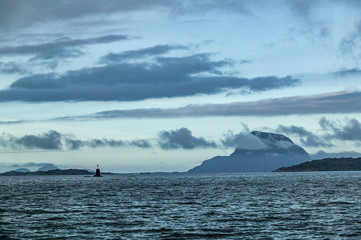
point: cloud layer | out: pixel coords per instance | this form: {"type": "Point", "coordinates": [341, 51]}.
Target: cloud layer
{"type": "Point", "coordinates": [124, 81]}
{"type": "Point", "coordinates": [307, 138]}
{"type": "Point", "coordinates": [54, 140]}
{"type": "Point", "coordinates": [182, 138]}
{"type": "Point", "coordinates": [338, 102]}
{"type": "Point", "coordinates": [331, 133]}
{"type": "Point", "coordinates": [60, 48]}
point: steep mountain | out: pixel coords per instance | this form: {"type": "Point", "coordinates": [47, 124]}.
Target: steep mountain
{"type": "Point", "coordinates": [271, 152]}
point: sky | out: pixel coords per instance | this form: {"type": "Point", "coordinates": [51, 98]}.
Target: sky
{"type": "Point", "coordinates": [139, 86]}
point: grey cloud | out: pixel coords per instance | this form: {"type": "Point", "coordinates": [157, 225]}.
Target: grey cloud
{"type": "Point", "coordinates": [182, 138]}
{"type": "Point", "coordinates": [93, 143]}
{"type": "Point", "coordinates": [326, 124]}
{"type": "Point", "coordinates": [47, 141]}
{"type": "Point", "coordinates": [338, 102]}
{"type": "Point", "coordinates": [145, 52]}
{"type": "Point", "coordinates": [10, 68]}
{"type": "Point", "coordinates": [60, 48]}
{"type": "Point", "coordinates": [351, 43]}
{"type": "Point", "coordinates": [347, 72]}
{"type": "Point", "coordinates": [243, 140]}
{"type": "Point", "coordinates": [267, 83]}
{"type": "Point", "coordinates": [26, 165]}
{"type": "Point", "coordinates": [169, 77]}
{"type": "Point", "coordinates": [13, 122]}
{"type": "Point", "coordinates": [17, 14]}
{"type": "Point", "coordinates": [53, 140]}
{"type": "Point", "coordinates": [351, 130]}
{"type": "Point", "coordinates": [245, 61]}
{"type": "Point", "coordinates": [142, 143]}
{"type": "Point", "coordinates": [307, 138]}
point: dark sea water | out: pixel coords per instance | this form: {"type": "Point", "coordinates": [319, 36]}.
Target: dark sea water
{"type": "Point", "coordinates": [235, 206]}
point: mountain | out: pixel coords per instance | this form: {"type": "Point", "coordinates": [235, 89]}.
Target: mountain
{"type": "Point", "coordinates": [23, 170]}
{"type": "Point", "coordinates": [328, 164]}
{"type": "Point", "coordinates": [47, 167]}
{"type": "Point", "coordinates": [269, 152]}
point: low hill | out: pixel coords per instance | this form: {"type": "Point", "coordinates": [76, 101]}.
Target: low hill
{"type": "Point", "coordinates": [327, 164]}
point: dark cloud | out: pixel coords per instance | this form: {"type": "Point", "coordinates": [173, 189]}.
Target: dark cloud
{"type": "Point", "coordinates": [307, 138]}
{"type": "Point", "coordinates": [141, 53]}
{"type": "Point", "coordinates": [53, 140]}
{"type": "Point", "coordinates": [182, 138]}
{"type": "Point", "coordinates": [338, 102]}
{"type": "Point", "coordinates": [60, 48]}
{"type": "Point", "coordinates": [168, 77]}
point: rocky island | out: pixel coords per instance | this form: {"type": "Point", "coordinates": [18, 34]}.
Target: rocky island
{"type": "Point", "coordinates": [50, 169]}
{"type": "Point", "coordinates": [327, 164]}
{"type": "Point", "coordinates": [272, 151]}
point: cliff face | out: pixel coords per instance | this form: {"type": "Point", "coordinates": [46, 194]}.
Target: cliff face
{"type": "Point", "coordinates": [277, 151]}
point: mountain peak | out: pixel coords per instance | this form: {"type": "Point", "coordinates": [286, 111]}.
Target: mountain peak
{"type": "Point", "coordinates": [271, 137]}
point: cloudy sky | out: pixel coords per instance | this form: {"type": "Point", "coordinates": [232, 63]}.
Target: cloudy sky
{"type": "Point", "coordinates": [163, 85]}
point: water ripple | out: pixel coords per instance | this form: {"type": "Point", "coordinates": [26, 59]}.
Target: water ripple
{"type": "Point", "coordinates": [233, 206]}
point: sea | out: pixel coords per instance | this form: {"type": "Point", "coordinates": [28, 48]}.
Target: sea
{"type": "Point", "coordinates": [312, 205]}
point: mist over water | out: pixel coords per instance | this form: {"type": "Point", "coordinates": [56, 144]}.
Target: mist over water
{"type": "Point", "coordinates": [219, 206]}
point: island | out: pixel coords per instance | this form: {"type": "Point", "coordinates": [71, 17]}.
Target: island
{"type": "Point", "coordinates": [327, 164]}
{"type": "Point", "coordinates": [50, 172]}
{"type": "Point", "coordinates": [268, 152]}
{"type": "Point", "coordinates": [51, 169]}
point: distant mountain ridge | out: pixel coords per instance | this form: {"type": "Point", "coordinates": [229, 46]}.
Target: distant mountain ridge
{"type": "Point", "coordinates": [47, 167]}
{"type": "Point", "coordinates": [277, 151]}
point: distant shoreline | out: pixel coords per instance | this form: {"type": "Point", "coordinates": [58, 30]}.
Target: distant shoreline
{"type": "Point", "coordinates": [52, 172]}
{"type": "Point", "coordinates": [322, 165]}
{"type": "Point", "coordinates": [327, 164]}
